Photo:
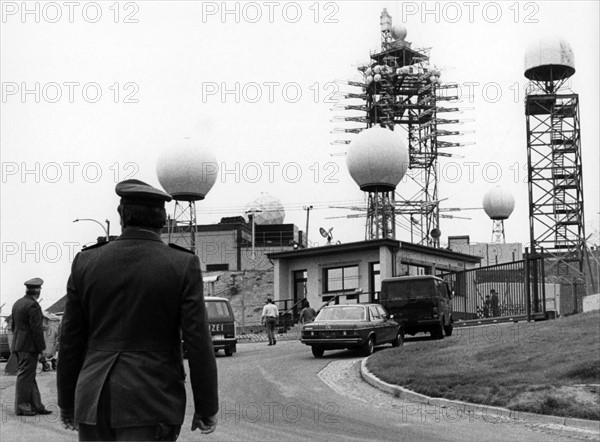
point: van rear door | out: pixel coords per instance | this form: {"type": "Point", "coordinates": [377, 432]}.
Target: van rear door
{"type": "Point", "coordinates": [409, 300]}
{"type": "Point", "coordinates": [220, 319]}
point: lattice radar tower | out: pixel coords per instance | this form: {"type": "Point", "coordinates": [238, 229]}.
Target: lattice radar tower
{"type": "Point", "coordinates": [556, 216]}
{"type": "Point", "coordinates": [400, 91]}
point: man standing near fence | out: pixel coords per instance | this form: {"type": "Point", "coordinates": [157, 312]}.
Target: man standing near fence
{"type": "Point", "coordinates": [495, 303]}
{"type": "Point", "coordinates": [269, 316]}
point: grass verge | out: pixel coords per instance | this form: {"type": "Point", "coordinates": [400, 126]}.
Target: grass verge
{"type": "Point", "coordinates": [550, 367]}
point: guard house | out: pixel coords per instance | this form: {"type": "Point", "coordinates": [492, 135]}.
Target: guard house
{"type": "Point", "coordinates": [352, 272]}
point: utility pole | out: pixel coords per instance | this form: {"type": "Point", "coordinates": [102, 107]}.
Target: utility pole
{"type": "Point", "coordinates": [308, 209]}
{"type": "Point", "coordinates": [251, 213]}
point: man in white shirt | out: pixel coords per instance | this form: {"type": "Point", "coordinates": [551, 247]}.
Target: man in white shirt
{"type": "Point", "coordinates": [269, 316]}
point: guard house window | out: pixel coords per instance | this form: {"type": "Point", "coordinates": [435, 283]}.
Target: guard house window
{"type": "Point", "coordinates": [216, 267]}
{"type": "Point", "coordinates": [340, 279]}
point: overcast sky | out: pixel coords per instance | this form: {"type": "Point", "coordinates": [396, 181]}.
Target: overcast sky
{"type": "Point", "coordinates": [93, 93]}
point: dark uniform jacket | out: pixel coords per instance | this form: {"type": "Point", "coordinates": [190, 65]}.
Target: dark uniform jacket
{"type": "Point", "coordinates": [126, 304]}
{"type": "Point", "coordinates": [27, 328]}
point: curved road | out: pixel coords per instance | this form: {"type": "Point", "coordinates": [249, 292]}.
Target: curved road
{"type": "Point", "coordinates": [284, 393]}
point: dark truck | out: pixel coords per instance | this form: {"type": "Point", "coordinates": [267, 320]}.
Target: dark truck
{"type": "Point", "coordinates": [419, 303]}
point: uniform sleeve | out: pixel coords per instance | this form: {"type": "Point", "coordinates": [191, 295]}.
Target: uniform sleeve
{"type": "Point", "coordinates": [36, 325]}
{"type": "Point", "coordinates": [198, 343]}
{"type": "Point", "coordinates": [73, 339]}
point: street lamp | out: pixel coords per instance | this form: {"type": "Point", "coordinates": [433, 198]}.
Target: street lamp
{"type": "Point", "coordinates": [106, 229]}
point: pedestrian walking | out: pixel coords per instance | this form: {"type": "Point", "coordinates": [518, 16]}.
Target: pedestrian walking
{"type": "Point", "coordinates": [28, 343]}
{"type": "Point", "coordinates": [308, 313]}
{"type": "Point", "coordinates": [269, 317]}
{"type": "Point", "coordinates": [130, 301]}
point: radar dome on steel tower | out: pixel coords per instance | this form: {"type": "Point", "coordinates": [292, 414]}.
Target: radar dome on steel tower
{"type": "Point", "coordinates": [377, 159]}
{"type": "Point", "coordinates": [187, 170]}
{"type": "Point", "coordinates": [271, 210]}
{"type": "Point", "coordinates": [399, 32]}
{"type": "Point", "coordinates": [548, 59]}
{"type": "Point", "coordinates": [498, 203]}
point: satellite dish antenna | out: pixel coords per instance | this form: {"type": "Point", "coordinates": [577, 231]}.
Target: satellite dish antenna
{"type": "Point", "coordinates": [326, 234]}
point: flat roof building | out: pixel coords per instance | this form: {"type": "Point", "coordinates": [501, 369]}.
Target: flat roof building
{"type": "Point", "coordinates": [352, 272]}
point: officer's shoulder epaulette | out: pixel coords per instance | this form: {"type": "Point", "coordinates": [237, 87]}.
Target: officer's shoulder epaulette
{"type": "Point", "coordinates": [177, 247]}
{"type": "Point", "coordinates": [94, 246]}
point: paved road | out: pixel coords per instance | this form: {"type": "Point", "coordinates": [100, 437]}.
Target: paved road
{"type": "Point", "coordinates": [284, 393]}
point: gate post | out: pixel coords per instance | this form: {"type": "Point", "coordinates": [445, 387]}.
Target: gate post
{"type": "Point", "coordinates": [535, 278]}
{"type": "Point", "coordinates": [543, 272]}
{"type": "Point", "coordinates": [527, 286]}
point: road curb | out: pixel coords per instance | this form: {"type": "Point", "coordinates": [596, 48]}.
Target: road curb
{"type": "Point", "coordinates": [473, 410]}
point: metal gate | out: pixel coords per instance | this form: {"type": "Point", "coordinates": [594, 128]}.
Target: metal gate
{"type": "Point", "coordinates": [499, 291]}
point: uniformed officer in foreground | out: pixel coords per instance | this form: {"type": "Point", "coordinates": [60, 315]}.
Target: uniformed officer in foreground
{"type": "Point", "coordinates": [28, 343]}
{"type": "Point", "coordinates": [120, 369]}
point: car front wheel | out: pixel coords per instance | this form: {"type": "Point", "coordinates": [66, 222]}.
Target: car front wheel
{"type": "Point", "coordinates": [399, 340]}
{"type": "Point", "coordinates": [368, 346]}
{"type": "Point", "coordinates": [317, 351]}
{"type": "Point", "coordinates": [228, 352]}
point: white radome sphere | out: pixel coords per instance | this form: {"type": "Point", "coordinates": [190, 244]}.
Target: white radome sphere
{"type": "Point", "coordinates": [187, 170]}
{"type": "Point", "coordinates": [498, 203]}
{"type": "Point", "coordinates": [399, 32]}
{"type": "Point", "coordinates": [377, 78]}
{"type": "Point", "coordinates": [272, 211]}
{"type": "Point", "coordinates": [377, 69]}
{"type": "Point", "coordinates": [377, 159]}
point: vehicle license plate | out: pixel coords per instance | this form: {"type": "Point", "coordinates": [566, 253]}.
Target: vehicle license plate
{"type": "Point", "coordinates": [218, 337]}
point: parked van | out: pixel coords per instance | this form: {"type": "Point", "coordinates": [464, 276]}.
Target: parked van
{"type": "Point", "coordinates": [221, 324]}
{"type": "Point", "coordinates": [420, 303]}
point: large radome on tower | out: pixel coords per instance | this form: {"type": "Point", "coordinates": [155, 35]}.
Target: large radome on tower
{"type": "Point", "coordinates": [377, 159]}
{"type": "Point", "coordinates": [187, 170]}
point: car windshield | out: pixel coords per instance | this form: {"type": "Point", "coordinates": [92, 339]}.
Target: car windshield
{"type": "Point", "coordinates": [345, 313]}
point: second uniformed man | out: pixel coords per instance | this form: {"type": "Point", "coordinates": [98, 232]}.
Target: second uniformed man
{"type": "Point", "coordinates": [28, 343]}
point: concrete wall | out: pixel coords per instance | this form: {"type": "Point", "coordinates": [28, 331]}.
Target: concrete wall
{"type": "Point", "coordinates": [247, 291]}
{"type": "Point", "coordinates": [591, 302]}
{"type": "Point", "coordinates": [260, 260]}
{"type": "Point", "coordinates": [217, 248]}
{"type": "Point", "coordinates": [220, 247]}
{"type": "Point", "coordinates": [491, 253]}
